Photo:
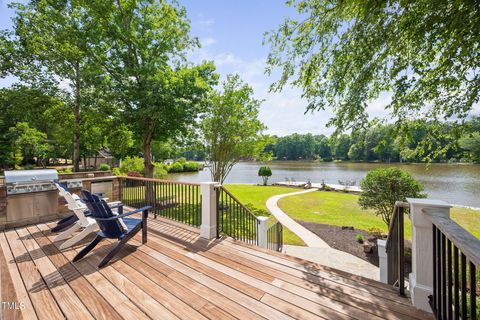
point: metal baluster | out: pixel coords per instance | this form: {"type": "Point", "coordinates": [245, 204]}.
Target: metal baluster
{"type": "Point", "coordinates": [463, 267]}
{"type": "Point", "coordinates": [449, 279]}
{"type": "Point", "coordinates": [435, 293]}
{"type": "Point", "coordinates": [473, 288]}
{"type": "Point", "coordinates": [456, 310]}
{"type": "Point", "coordinates": [439, 273]}
{"type": "Point", "coordinates": [444, 277]}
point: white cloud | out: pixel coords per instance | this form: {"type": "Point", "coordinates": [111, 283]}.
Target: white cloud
{"type": "Point", "coordinates": [206, 22]}
{"type": "Point", "coordinates": [206, 42]}
{"type": "Point", "coordinates": [224, 59]}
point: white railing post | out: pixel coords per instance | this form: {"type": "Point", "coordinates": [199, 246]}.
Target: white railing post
{"type": "Point", "coordinates": [262, 238]}
{"type": "Point", "coordinates": [382, 260]}
{"type": "Point", "coordinates": [421, 278]}
{"type": "Point", "coordinates": [208, 228]}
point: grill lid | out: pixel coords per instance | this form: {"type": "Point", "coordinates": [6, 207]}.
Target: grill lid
{"type": "Point", "coordinates": [30, 176]}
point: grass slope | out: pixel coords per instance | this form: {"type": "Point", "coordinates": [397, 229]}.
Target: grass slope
{"type": "Point", "coordinates": [342, 209]}
{"type": "Point", "coordinates": [258, 196]}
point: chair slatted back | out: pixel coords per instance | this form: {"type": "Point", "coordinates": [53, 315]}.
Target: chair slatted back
{"type": "Point", "coordinates": [100, 209]}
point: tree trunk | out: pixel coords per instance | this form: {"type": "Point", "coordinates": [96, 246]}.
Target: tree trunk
{"type": "Point", "coordinates": [147, 154]}
{"type": "Point", "coordinates": [147, 161]}
{"type": "Point", "coordinates": [78, 120]}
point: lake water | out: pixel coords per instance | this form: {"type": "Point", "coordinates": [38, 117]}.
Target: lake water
{"type": "Point", "coordinates": [454, 183]}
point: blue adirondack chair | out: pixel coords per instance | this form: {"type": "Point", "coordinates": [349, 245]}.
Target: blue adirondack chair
{"type": "Point", "coordinates": [112, 226]}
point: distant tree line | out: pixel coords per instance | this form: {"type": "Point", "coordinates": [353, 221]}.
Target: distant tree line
{"type": "Point", "coordinates": [381, 143]}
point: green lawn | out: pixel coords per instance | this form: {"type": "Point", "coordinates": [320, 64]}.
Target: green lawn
{"type": "Point", "coordinates": [257, 196]}
{"type": "Point", "coordinates": [342, 209]}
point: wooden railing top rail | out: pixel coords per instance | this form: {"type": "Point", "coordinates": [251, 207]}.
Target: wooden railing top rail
{"type": "Point", "coordinates": [461, 238]}
{"type": "Point", "coordinates": [238, 201]}
{"type": "Point", "coordinates": [158, 180]}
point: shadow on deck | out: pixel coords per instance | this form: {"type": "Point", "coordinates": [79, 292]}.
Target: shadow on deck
{"type": "Point", "coordinates": [177, 275]}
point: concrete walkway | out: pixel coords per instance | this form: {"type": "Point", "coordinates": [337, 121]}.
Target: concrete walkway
{"type": "Point", "coordinates": [318, 250]}
{"type": "Point", "coordinates": [310, 238]}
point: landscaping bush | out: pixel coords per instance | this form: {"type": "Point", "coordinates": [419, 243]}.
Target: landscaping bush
{"type": "Point", "coordinates": [265, 173]}
{"type": "Point", "coordinates": [134, 174]}
{"type": "Point", "coordinates": [117, 172]}
{"type": "Point", "coordinates": [175, 167]}
{"type": "Point", "coordinates": [359, 238]}
{"type": "Point", "coordinates": [190, 166]}
{"type": "Point", "coordinates": [66, 170]}
{"type": "Point", "coordinates": [383, 187]}
{"type": "Point", "coordinates": [132, 164]}
{"type": "Point", "coordinates": [159, 170]}
{"type": "Point", "coordinates": [104, 167]}
{"type": "Point", "coordinates": [181, 160]}
{"type": "Point", "coordinates": [257, 211]}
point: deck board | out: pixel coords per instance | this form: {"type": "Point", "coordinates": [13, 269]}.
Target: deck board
{"type": "Point", "coordinates": [178, 275]}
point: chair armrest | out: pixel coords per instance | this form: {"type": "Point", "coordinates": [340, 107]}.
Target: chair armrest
{"type": "Point", "coordinates": [118, 205]}
{"type": "Point", "coordinates": [124, 214]}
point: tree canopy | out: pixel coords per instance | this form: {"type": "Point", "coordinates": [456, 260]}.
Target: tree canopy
{"type": "Point", "coordinates": [231, 128]}
{"type": "Point", "coordinates": [343, 54]}
{"type": "Point", "coordinates": [141, 45]}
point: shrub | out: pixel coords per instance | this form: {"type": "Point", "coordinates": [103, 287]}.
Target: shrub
{"type": "Point", "coordinates": [134, 174]}
{"type": "Point", "coordinates": [191, 166]}
{"type": "Point", "coordinates": [159, 170]}
{"type": "Point", "coordinates": [176, 167]}
{"type": "Point", "coordinates": [104, 167]}
{"type": "Point", "coordinates": [383, 187]}
{"type": "Point", "coordinates": [256, 211]}
{"type": "Point", "coordinates": [117, 172]}
{"type": "Point", "coordinates": [66, 170]}
{"type": "Point", "coordinates": [181, 160]}
{"type": "Point", "coordinates": [359, 238]}
{"type": "Point", "coordinates": [265, 173]}
{"type": "Point", "coordinates": [28, 167]}
{"type": "Point", "coordinates": [132, 164]}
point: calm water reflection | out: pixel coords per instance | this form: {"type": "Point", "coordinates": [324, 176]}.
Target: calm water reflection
{"type": "Point", "coordinates": [458, 184]}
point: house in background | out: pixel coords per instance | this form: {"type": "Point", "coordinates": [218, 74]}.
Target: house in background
{"type": "Point", "coordinates": [102, 156]}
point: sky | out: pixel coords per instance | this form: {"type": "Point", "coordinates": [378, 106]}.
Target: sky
{"type": "Point", "coordinates": [231, 33]}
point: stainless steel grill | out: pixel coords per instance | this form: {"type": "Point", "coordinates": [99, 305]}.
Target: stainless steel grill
{"type": "Point", "coordinates": [27, 181]}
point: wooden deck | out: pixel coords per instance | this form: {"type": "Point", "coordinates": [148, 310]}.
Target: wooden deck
{"type": "Point", "coordinates": [176, 275]}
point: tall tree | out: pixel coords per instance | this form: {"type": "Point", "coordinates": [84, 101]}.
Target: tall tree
{"type": "Point", "coordinates": [231, 128]}
{"type": "Point", "coordinates": [50, 42]}
{"type": "Point", "coordinates": [141, 45]}
{"type": "Point", "coordinates": [343, 54]}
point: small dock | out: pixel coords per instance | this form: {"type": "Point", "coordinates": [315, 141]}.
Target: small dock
{"type": "Point", "coordinates": [303, 184]}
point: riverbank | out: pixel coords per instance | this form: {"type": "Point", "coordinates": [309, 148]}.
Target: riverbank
{"type": "Point", "coordinates": [458, 184]}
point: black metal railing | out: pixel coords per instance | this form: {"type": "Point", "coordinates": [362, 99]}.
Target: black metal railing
{"type": "Point", "coordinates": [396, 248]}
{"type": "Point", "coordinates": [180, 201]}
{"type": "Point", "coordinates": [234, 219]}
{"type": "Point", "coordinates": [275, 236]}
{"type": "Point", "coordinates": [456, 261]}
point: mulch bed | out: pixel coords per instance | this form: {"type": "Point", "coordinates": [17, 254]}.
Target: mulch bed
{"type": "Point", "coordinates": [343, 239]}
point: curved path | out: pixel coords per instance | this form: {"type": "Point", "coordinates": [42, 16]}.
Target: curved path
{"type": "Point", "coordinates": [310, 238]}
{"type": "Point", "coordinates": [318, 250]}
